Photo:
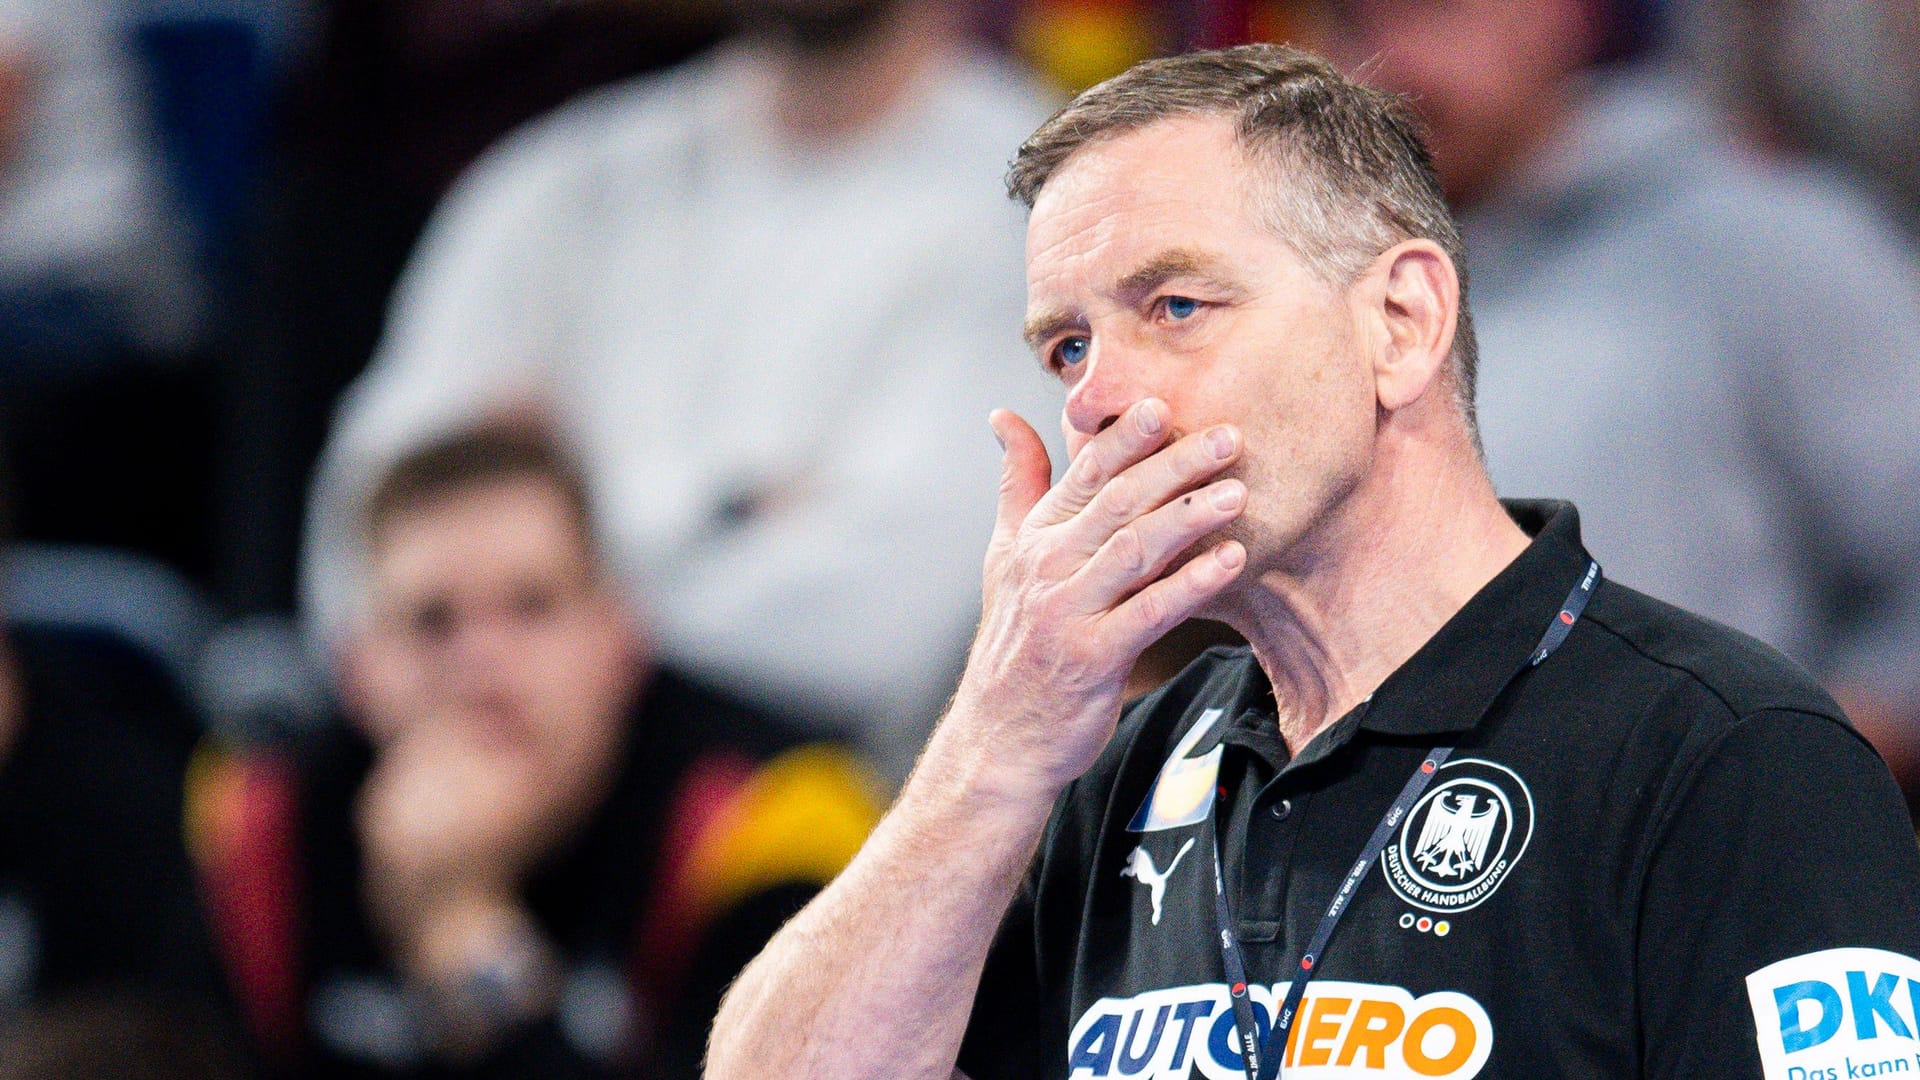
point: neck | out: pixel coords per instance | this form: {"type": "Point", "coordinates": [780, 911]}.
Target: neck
{"type": "Point", "coordinates": [1351, 601]}
{"type": "Point", "coordinates": [828, 92]}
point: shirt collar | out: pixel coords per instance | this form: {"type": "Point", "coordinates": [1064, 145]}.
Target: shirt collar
{"type": "Point", "coordinates": [1456, 676]}
{"type": "Point", "coordinates": [1453, 680]}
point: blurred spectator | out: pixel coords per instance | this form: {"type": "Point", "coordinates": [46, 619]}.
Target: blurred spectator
{"type": "Point", "coordinates": [772, 294]}
{"type": "Point", "coordinates": [1713, 355]}
{"type": "Point", "coordinates": [536, 853]}
{"type": "Point", "coordinates": [397, 100]}
{"type": "Point", "coordinates": [93, 262]}
{"type": "Point", "coordinates": [1838, 78]}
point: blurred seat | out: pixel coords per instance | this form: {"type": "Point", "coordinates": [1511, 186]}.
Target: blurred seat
{"type": "Point", "coordinates": [258, 683]}
{"type": "Point", "coordinates": [249, 679]}
{"type": "Point", "coordinates": [138, 599]}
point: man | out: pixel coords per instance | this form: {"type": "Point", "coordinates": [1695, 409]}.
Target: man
{"type": "Point", "coordinates": [539, 854]}
{"type": "Point", "coordinates": [1643, 840]}
{"type": "Point", "coordinates": [1710, 351]}
{"type": "Point", "coordinates": [759, 291]}
{"type": "Point", "coordinates": [94, 263]}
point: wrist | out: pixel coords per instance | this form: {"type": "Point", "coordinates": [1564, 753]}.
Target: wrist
{"type": "Point", "coordinates": [485, 968]}
{"type": "Point", "coordinates": [969, 775]}
{"type": "Point", "coordinates": [1008, 754]}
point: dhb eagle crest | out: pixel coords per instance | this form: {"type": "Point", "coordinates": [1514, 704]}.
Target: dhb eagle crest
{"type": "Point", "coordinates": [1462, 838]}
{"type": "Point", "coordinates": [1453, 842]}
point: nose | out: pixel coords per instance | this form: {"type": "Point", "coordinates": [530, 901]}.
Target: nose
{"type": "Point", "coordinates": [478, 657]}
{"type": "Point", "coordinates": [1109, 385]}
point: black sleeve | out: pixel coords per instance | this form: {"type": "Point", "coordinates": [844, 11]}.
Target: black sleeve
{"type": "Point", "coordinates": [1780, 912]}
{"type": "Point", "coordinates": [1003, 1040]}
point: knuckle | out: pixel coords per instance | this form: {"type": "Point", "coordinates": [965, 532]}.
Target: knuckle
{"type": "Point", "coordinates": [1129, 549]}
{"type": "Point", "coordinates": [1152, 608]}
{"type": "Point", "coordinates": [1121, 498]}
{"type": "Point", "coordinates": [1047, 562]}
{"type": "Point", "coordinates": [1043, 601]}
{"type": "Point", "coordinates": [1053, 566]}
{"type": "Point", "coordinates": [1087, 469]}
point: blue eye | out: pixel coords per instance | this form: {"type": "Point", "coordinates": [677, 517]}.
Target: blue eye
{"type": "Point", "coordinates": [1181, 307]}
{"type": "Point", "coordinates": [1071, 351]}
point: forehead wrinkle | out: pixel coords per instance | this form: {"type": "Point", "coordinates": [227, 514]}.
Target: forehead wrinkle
{"type": "Point", "coordinates": [1074, 242]}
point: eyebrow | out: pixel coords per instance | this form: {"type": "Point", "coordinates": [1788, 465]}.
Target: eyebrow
{"type": "Point", "coordinates": [1176, 263]}
{"type": "Point", "coordinates": [1042, 326]}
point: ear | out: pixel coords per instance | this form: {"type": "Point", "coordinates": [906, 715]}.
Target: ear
{"type": "Point", "coordinates": [1418, 304]}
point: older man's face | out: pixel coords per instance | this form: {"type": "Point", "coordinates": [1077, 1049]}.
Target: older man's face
{"type": "Point", "coordinates": [1150, 273]}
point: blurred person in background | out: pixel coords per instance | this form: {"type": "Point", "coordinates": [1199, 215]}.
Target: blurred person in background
{"type": "Point", "coordinates": [389, 103]}
{"type": "Point", "coordinates": [536, 852]}
{"type": "Point", "coordinates": [1836, 78]}
{"type": "Point", "coordinates": [770, 294]}
{"type": "Point", "coordinates": [1717, 357]}
{"type": "Point", "coordinates": [94, 262]}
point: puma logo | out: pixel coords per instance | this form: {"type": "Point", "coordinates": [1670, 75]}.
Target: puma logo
{"type": "Point", "coordinates": [1140, 867]}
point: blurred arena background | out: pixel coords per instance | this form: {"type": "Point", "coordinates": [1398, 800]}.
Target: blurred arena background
{"type": "Point", "coordinates": [265, 167]}
{"type": "Point", "coordinates": [205, 206]}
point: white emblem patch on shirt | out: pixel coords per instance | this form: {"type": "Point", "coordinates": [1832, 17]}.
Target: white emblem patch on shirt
{"type": "Point", "coordinates": [1837, 1013]}
{"type": "Point", "coordinates": [1462, 838]}
{"type": "Point", "coordinates": [1140, 867]}
{"type": "Point", "coordinates": [1183, 792]}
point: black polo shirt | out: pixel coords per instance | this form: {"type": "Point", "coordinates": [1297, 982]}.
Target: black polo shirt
{"type": "Point", "coordinates": [1660, 853]}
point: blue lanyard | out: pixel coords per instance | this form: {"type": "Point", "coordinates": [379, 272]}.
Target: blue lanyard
{"type": "Point", "coordinates": [1262, 1056]}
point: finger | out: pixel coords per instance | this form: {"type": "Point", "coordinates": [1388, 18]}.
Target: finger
{"type": "Point", "coordinates": [1147, 616]}
{"type": "Point", "coordinates": [1151, 484]}
{"type": "Point", "coordinates": [1142, 549]}
{"type": "Point", "coordinates": [1025, 471]}
{"type": "Point", "coordinates": [1139, 432]}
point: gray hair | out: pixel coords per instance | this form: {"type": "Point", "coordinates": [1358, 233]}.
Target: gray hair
{"type": "Point", "coordinates": [1358, 177]}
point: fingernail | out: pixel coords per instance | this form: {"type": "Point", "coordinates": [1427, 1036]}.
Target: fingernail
{"type": "Point", "coordinates": [995, 428]}
{"type": "Point", "coordinates": [1221, 441]}
{"type": "Point", "coordinates": [1148, 418]}
{"type": "Point", "coordinates": [1225, 496]}
{"type": "Point", "coordinates": [1230, 555]}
